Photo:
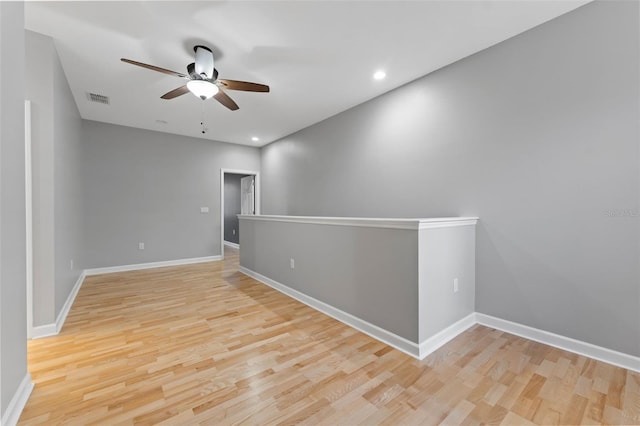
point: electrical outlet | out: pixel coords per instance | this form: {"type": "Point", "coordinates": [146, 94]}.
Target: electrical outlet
{"type": "Point", "coordinates": [140, 246]}
{"type": "Point", "coordinates": [71, 265]}
{"type": "Point", "coordinates": [204, 209]}
{"type": "Point", "coordinates": [292, 263]}
{"type": "Point", "coordinates": [234, 232]}
{"type": "Point", "coordinates": [455, 285]}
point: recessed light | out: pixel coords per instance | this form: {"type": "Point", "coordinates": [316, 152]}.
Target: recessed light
{"type": "Point", "coordinates": [255, 139]}
{"type": "Point", "coordinates": [379, 75]}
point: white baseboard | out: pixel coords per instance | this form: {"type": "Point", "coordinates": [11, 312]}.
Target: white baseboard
{"type": "Point", "coordinates": [232, 245]}
{"type": "Point", "coordinates": [150, 265]}
{"type": "Point", "coordinates": [53, 329]}
{"type": "Point", "coordinates": [62, 316]}
{"type": "Point", "coordinates": [11, 416]}
{"type": "Point", "coordinates": [47, 330]}
{"type": "Point", "coordinates": [444, 336]}
{"type": "Point", "coordinates": [422, 350]}
{"type": "Point", "coordinates": [599, 353]}
{"type": "Point", "coordinates": [391, 339]}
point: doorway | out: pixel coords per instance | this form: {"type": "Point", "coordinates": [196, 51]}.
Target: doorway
{"type": "Point", "coordinates": [239, 194]}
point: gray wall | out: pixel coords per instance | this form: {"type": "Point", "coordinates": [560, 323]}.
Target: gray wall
{"type": "Point", "coordinates": [232, 200]}
{"type": "Point", "coordinates": [69, 242]}
{"type": "Point", "coordinates": [400, 280]}
{"type": "Point", "coordinates": [145, 186]}
{"type": "Point", "coordinates": [538, 136]}
{"type": "Point", "coordinates": [56, 174]}
{"type": "Point", "coordinates": [370, 273]}
{"type": "Point", "coordinates": [13, 312]}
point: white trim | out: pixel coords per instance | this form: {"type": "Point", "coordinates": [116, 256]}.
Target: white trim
{"type": "Point", "coordinates": [18, 401]}
{"type": "Point", "coordinates": [599, 353]}
{"type": "Point", "coordinates": [54, 329]}
{"type": "Point", "coordinates": [402, 223]}
{"type": "Point", "coordinates": [28, 184]}
{"type": "Point", "coordinates": [150, 265]}
{"type": "Point", "coordinates": [434, 342]}
{"type": "Point", "coordinates": [257, 199]}
{"type": "Point", "coordinates": [391, 339]}
{"type": "Point", "coordinates": [447, 222]}
{"type": "Point", "coordinates": [46, 330]}
{"type": "Point", "coordinates": [420, 351]}
{"type": "Point", "coordinates": [62, 316]}
{"type": "Point", "coordinates": [232, 245]}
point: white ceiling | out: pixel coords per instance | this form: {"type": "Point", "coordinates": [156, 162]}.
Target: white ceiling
{"type": "Point", "coordinates": [317, 56]}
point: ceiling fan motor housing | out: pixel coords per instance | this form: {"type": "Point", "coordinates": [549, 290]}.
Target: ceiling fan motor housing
{"type": "Point", "coordinates": [204, 61]}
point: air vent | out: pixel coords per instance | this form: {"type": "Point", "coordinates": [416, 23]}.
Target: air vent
{"type": "Point", "coordinates": [101, 99]}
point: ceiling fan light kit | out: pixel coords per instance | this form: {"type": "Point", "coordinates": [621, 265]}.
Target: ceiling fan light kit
{"type": "Point", "coordinates": [203, 89]}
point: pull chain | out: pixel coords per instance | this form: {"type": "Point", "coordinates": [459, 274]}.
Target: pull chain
{"type": "Point", "coordinates": [202, 118]}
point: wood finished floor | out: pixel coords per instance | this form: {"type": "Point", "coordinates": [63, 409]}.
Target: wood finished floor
{"type": "Point", "coordinates": [204, 344]}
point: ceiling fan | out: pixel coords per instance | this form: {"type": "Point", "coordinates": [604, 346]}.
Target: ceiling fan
{"type": "Point", "coordinates": [202, 80]}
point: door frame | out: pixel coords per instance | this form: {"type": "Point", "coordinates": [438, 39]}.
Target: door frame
{"type": "Point", "coordinates": [223, 171]}
{"type": "Point", "coordinates": [28, 185]}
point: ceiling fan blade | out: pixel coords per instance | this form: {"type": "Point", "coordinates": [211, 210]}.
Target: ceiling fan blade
{"type": "Point", "coordinates": [153, 68]}
{"type": "Point", "coordinates": [225, 100]}
{"type": "Point", "coordinates": [176, 92]}
{"type": "Point", "coordinates": [244, 85]}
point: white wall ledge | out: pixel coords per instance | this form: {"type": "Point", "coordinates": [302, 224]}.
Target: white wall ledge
{"type": "Point", "coordinates": [399, 223]}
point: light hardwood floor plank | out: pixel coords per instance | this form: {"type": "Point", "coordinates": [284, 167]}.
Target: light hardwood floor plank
{"type": "Point", "coordinates": [205, 344]}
